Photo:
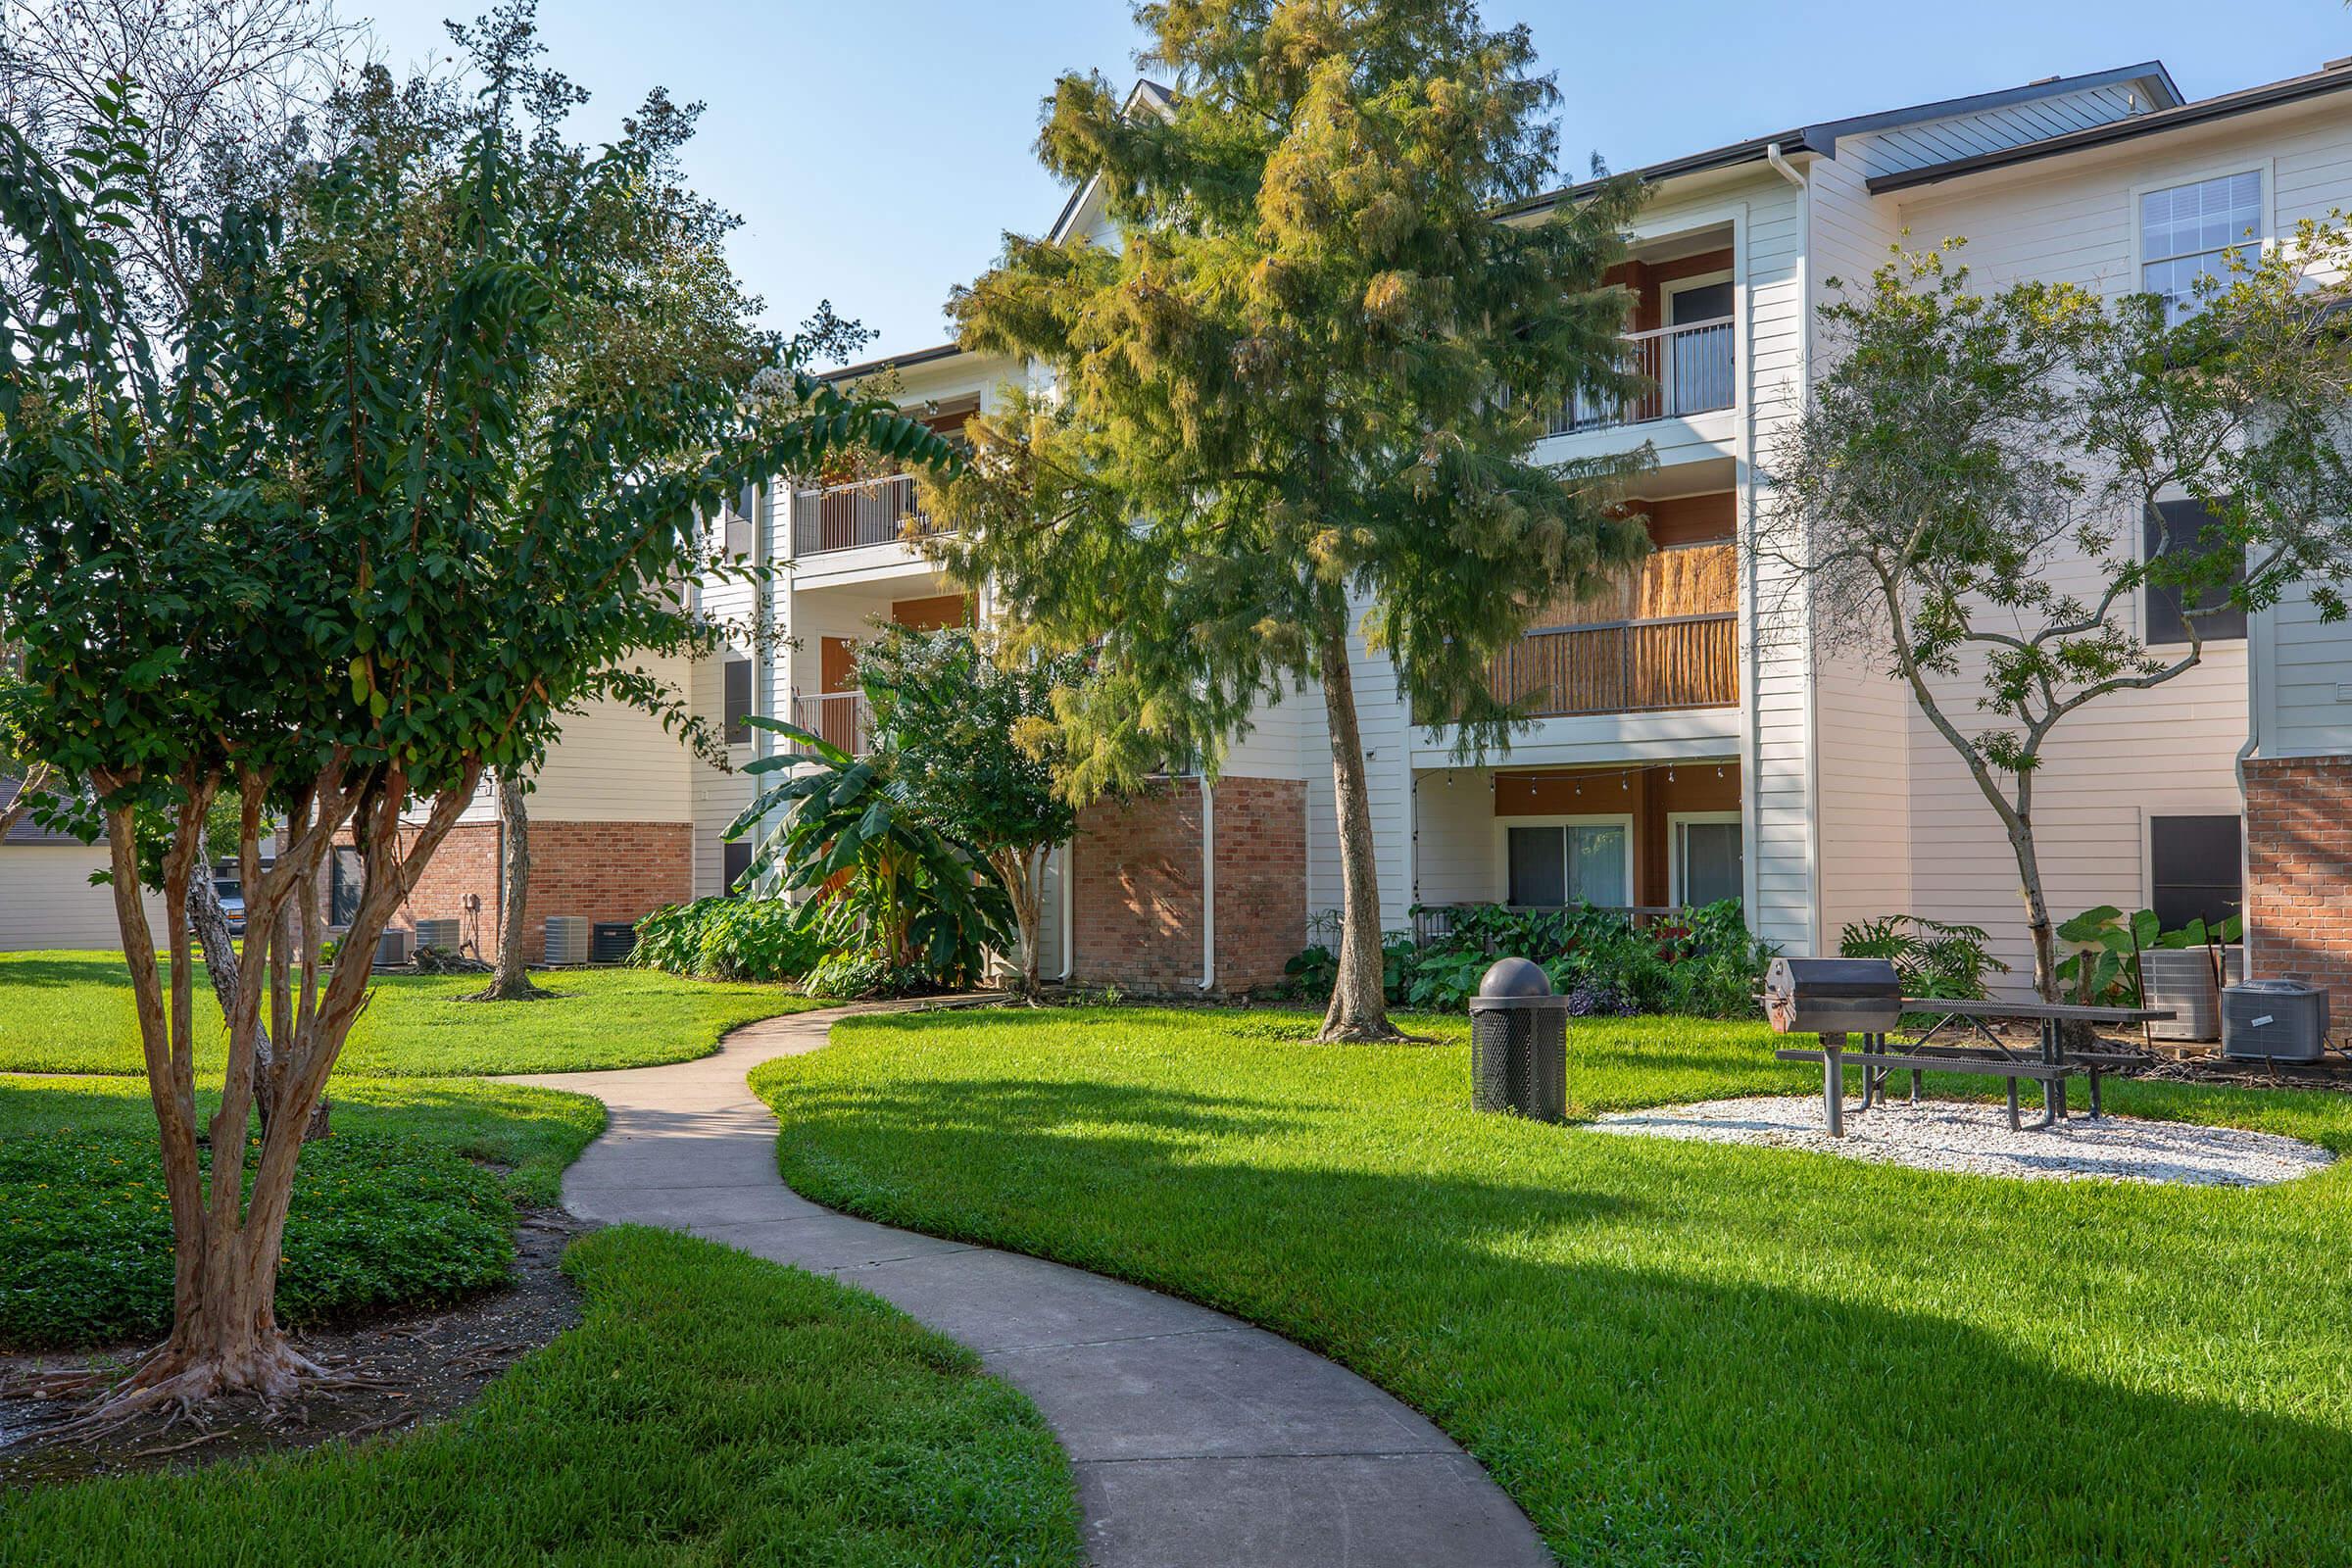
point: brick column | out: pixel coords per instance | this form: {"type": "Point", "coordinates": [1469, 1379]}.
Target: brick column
{"type": "Point", "coordinates": [1136, 888]}
{"type": "Point", "coordinates": [2299, 871]}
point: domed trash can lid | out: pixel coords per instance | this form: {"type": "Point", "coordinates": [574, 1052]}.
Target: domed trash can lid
{"type": "Point", "coordinates": [1514, 983]}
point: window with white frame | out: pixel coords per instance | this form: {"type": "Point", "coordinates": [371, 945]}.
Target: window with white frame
{"type": "Point", "coordinates": [1555, 863]}
{"type": "Point", "coordinates": [1707, 854]}
{"type": "Point", "coordinates": [2185, 230]}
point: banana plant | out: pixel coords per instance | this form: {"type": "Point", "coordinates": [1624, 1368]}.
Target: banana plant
{"type": "Point", "coordinates": [846, 838]}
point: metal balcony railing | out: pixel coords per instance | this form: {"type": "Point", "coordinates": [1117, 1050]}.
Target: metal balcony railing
{"type": "Point", "coordinates": [1692, 371]}
{"type": "Point", "coordinates": [864, 511]}
{"type": "Point", "coordinates": [838, 718]}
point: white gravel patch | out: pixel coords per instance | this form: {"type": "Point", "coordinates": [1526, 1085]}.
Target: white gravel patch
{"type": "Point", "coordinates": [1957, 1136]}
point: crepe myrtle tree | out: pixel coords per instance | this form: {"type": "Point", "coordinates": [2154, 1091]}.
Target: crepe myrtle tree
{"type": "Point", "coordinates": [352, 542]}
{"type": "Point", "coordinates": [1969, 498]}
{"type": "Point", "coordinates": [1297, 404]}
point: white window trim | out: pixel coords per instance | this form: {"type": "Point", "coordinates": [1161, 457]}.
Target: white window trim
{"type": "Point", "coordinates": [2267, 211]}
{"type": "Point", "coordinates": [1503, 843]}
{"type": "Point", "coordinates": [1675, 821]}
{"type": "Point", "coordinates": [1673, 286]}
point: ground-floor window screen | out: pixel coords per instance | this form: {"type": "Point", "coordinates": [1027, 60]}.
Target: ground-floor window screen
{"type": "Point", "coordinates": [1575, 862]}
{"type": "Point", "coordinates": [344, 876]}
{"type": "Point", "coordinates": [2194, 872]}
{"type": "Point", "coordinates": [735, 858]}
{"type": "Point", "coordinates": [1706, 862]}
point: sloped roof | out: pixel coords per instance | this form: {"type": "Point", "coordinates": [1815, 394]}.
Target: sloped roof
{"type": "Point", "coordinates": [2334, 76]}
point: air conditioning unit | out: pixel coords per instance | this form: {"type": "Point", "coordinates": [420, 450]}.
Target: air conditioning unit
{"type": "Point", "coordinates": [392, 949]}
{"type": "Point", "coordinates": [566, 939]}
{"type": "Point", "coordinates": [2184, 981]}
{"type": "Point", "coordinates": [2274, 1021]}
{"type": "Point", "coordinates": [442, 936]}
{"type": "Point", "coordinates": [612, 941]}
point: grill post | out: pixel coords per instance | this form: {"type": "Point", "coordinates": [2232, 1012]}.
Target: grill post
{"type": "Point", "coordinates": [1833, 1081]}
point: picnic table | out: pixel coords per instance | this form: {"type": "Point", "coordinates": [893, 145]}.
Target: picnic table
{"type": "Point", "coordinates": [2048, 1067]}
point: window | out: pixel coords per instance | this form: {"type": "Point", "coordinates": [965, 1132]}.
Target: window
{"type": "Point", "coordinates": [1706, 858]}
{"type": "Point", "coordinates": [2178, 528]}
{"type": "Point", "coordinates": [1570, 862]}
{"type": "Point", "coordinates": [739, 702]}
{"type": "Point", "coordinates": [2193, 870]}
{"type": "Point", "coordinates": [2183, 231]}
{"type": "Point", "coordinates": [344, 878]}
{"type": "Point", "coordinates": [735, 861]}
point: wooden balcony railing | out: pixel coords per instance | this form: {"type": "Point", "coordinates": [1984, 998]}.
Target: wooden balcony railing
{"type": "Point", "coordinates": [1694, 369]}
{"type": "Point", "coordinates": [864, 511]}
{"type": "Point", "coordinates": [1666, 637]}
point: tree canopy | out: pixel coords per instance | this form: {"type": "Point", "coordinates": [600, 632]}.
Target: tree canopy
{"type": "Point", "coordinates": [355, 538]}
{"type": "Point", "coordinates": [1296, 402]}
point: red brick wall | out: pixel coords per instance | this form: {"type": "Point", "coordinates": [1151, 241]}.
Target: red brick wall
{"type": "Point", "coordinates": [2299, 871]}
{"type": "Point", "coordinates": [1136, 895]}
{"type": "Point", "coordinates": [598, 871]}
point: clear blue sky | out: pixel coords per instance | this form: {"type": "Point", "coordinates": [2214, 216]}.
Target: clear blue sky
{"type": "Point", "coordinates": [877, 149]}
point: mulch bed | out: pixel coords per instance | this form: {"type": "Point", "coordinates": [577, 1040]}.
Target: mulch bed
{"type": "Point", "coordinates": [419, 1367]}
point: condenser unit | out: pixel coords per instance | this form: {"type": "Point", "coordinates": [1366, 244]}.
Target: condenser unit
{"type": "Point", "coordinates": [566, 939]}
{"type": "Point", "coordinates": [442, 936]}
{"type": "Point", "coordinates": [2275, 1020]}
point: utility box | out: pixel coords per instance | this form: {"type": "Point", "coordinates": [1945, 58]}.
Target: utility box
{"type": "Point", "coordinates": [1519, 1043]}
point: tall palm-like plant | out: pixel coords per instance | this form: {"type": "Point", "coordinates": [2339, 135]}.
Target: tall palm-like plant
{"type": "Point", "coordinates": [872, 868]}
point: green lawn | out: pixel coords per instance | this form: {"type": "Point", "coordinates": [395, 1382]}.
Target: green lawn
{"type": "Point", "coordinates": [73, 1013]}
{"type": "Point", "coordinates": [1668, 1353]}
{"type": "Point", "coordinates": [712, 1409]}
{"type": "Point", "coordinates": [410, 1204]}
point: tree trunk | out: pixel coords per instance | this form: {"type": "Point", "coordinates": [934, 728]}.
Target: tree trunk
{"type": "Point", "coordinates": [513, 981]}
{"type": "Point", "coordinates": [1024, 874]}
{"type": "Point", "coordinates": [2037, 910]}
{"type": "Point", "coordinates": [1359, 999]}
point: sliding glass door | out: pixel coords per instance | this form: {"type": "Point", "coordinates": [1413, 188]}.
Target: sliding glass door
{"type": "Point", "coordinates": [1578, 862]}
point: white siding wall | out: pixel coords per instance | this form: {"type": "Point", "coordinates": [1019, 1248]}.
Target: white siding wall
{"type": "Point", "coordinates": [1774, 670]}
{"type": "Point", "coordinates": [1860, 717]}
{"type": "Point", "coordinates": [47, 902]}
{"type": "Point", "coordinates": [2134, 754]}
{"type": "Point", "coordinates": [1455, 808]}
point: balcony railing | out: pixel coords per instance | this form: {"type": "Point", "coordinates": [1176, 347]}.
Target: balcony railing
{"type": "Point", "coordinates": [1434, 922]}
{"type": "Point", "coordinates": [1691, 368]}
{"type": "Point", "coordinates": [864, 511]}
{"type": "Point", "coordinates": [1665, 637]}
{"type": "Point", "coordinates": [838, 718]}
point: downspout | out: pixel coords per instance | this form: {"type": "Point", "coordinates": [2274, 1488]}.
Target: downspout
{"type": "Point", "coordinates": [1069, 912]}
{"type": "Point", "coordinates": [1209, 885]}
{"type": "Point", "coordinates": [1817, 919]}
{"type": "Point", "coordinates": [2245, 863]}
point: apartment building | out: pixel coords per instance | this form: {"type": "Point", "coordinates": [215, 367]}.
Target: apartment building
{"type": "Point", "coordinates": [1691, 741]}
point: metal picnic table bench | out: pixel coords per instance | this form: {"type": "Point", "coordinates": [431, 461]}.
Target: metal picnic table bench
{"type": "Point", "coordinates": [2049, 1066]}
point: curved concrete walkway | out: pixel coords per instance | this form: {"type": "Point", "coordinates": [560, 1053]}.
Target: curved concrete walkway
{"type": "Point", "coordinates": [1196, 1438]}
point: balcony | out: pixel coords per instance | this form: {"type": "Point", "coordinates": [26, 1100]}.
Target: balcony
{"type": "Point", "coordinates": [1665, 637]}
{"type": "Point", "coordinates": [838, 718]}
{"type": "Point", "coordinates": [865, 511]}
{"type": "Point", "coordinates": [1691, 368]}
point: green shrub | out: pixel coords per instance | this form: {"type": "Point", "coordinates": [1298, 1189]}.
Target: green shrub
{"type": "Point", "coordinates": [1701, 963]}
{"type": "Point", "coordinates": [1931, 958]}
{"type": "Point", "coordinates": [377, 1222]}
{"type": "Point", "coordinates": [729, 939]}
{"type": "Point", "coordinates": [2104, 971]}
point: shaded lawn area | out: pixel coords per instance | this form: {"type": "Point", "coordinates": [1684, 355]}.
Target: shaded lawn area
{"type": "Point", "coordinates": [711, 1408]}
{"type": "Point", "coordinates": [410, 1204]}
{"type": "Point", "coordinates": [1667, 1352]}
{"type": "Point", "coordinates": [75, 1012]}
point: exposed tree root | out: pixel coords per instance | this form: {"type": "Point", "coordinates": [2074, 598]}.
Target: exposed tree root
{"type": "Point", "coordinates": [184, 1382]}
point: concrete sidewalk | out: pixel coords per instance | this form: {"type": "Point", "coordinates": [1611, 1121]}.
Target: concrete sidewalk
{"type": "Point", "coordinates": [1198, 1441]}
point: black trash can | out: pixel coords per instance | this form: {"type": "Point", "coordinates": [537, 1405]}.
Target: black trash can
{"type": "Point", "coordinates": [1519, 1043]}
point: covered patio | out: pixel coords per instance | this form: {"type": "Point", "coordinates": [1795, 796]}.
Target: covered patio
{"type": "Point", "coordinates": [1646, 837]}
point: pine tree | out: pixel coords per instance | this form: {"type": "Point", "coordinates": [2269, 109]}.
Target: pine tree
{"type": "Point", "coordinates": [1297, 404]}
